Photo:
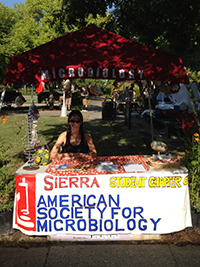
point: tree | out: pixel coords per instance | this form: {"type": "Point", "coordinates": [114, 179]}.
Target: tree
{"type": "Point", "coordinates": [75, 12]}
{"type": "Point", "coordinates": [38, 22]}
{"type": "Point", "coordinates": [173, 26]}
{"type": "Point", "coordinates": [7, 19]}
{"type": "Point", "coordinates": [87, 82]}
{"type": "Point", "coordinates": [34, 25]}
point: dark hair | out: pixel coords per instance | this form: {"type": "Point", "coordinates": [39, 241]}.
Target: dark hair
{"type": "Point", "coordinates": [75, 112]}
{"type": "Point", "coordinates": [72, 113]}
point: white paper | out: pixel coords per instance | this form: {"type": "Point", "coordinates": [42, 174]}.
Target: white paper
{"type": "Point", "coordinates": [106, 163]}
{"type": "Point", "coordinates": [107, 168]}
{"type": "Point", "coordinates": [134, 168]}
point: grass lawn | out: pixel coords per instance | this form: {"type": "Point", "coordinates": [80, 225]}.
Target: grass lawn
{"type": "Point", "coordinates": [28, 98]}
{"type": "Point", "coordinates": [107, 140]}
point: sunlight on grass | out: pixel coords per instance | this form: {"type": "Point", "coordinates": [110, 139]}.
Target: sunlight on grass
{"type": "Point", "coordinates": [106, 137]}
{"type": "Point", "coordinates": [122, 142]}
{"type": "Point", "coordinates": [107, 140]}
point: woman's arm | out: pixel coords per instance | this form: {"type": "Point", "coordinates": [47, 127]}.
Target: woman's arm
{"type": "Point", "coordinates": [89, 141]}
{"type": "Point", "coordinates": [55, 150]}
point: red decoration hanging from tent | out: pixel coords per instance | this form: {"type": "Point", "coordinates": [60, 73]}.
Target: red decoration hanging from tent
{"type": "Point", "coordinates": [39, 87]}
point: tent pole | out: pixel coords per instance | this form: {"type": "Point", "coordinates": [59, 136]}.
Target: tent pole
{"type": "Point", "coordinates": [2, 96]}
{"type": "Point", "coordinates": [150, 110]}
{"type": "Point", "coordinates": [31, 93]}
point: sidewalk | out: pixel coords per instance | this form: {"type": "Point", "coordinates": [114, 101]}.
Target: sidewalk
{"type": "Point", "coordinates": [94, 111]}
{"type": "Point", "coordinates": [102, 254]}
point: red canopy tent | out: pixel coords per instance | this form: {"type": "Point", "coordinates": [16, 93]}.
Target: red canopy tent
{"type": "Point", "coordinates": [96, 54]}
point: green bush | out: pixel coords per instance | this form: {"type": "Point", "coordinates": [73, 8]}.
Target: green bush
{"type": "Point", "coordinates": [192, 155]}
{"type": "Point", "coordinates": [7, 181]}
{"type": "Point", "coordinates": [192, 162]}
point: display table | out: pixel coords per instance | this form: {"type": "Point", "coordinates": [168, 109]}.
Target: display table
{"type": "Point", "coordinates": [117, 197]}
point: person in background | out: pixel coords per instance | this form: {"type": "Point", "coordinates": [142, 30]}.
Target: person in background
{"type": "Point", "coordinates": [148, 94]}
{"type": "Point", "coordinates": [164, 93]}
{"type": "Point", "coordinates": [84, 95]}
{"type": "Point", "coordinates": [66, 86]}
{"type": "Point", "coordinates": [125, 94]}
{"type": "Point", "coordinates": [75, 142]}
{"type": "Point", "coordinates": [132, 92]}
{"type": "Point", "coordinates": [180, 97]}
{"type": "Point", "coordinates": [69, 99]}
{"type": "Point", "coordinates": [140, 85]}
{"type": "Point", "coordinates": [115, 94]}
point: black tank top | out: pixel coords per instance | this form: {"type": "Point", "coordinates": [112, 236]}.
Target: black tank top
{"type": "Point", "coordinates": [81, 148]}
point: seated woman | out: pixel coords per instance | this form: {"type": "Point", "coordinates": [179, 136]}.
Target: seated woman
{"type": "Point", "coordinates": [74, 143]}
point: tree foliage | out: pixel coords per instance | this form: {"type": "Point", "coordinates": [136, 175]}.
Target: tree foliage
{"type": "Point", "coordinates": [76, 12]}
{"type": "Point", "coordinates": [7, 19]}
{"type": "Point", "coordinates": [173, 26]}
{"type": "Point", "coordinates": [34, 25]}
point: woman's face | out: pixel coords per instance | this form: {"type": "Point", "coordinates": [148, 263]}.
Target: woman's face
{"type": "Point", "coordinates": [75, 122]}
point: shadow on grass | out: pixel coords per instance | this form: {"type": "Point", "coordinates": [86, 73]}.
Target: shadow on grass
{"type": "Point", "coordinates": [108, 142]}
{"type": "Point", "coordinates": [110, 137]}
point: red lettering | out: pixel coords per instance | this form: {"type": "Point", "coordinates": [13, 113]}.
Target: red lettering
{"type": "Point", "coordinates": [67, 182]}
{"type": "Point", "coordinates": [48, 183]}
{"type": "Point", "coordinates": [95, 182]}
{"type": "Point", "coordinates": [62, 181]}
{"type": "Point", "coordinates": [73, 181]}
{"type": "Point", "coordinates": [84, 182]}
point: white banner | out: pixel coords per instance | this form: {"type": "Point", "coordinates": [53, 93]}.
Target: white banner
{"type": "Point", "coordinates": [128, 203]}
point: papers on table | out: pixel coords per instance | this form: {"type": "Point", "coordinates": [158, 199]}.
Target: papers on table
{"type": "Point", "coordinates": [62, 167]}
{"type": "Point", "coordinates": [107, 166]}
{"type": "Point", "coordinates": [134, 168]}
{"type": "Point", "coordinates": [110, 167]}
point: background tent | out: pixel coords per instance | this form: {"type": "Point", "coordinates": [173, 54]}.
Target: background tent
{"type": "Point", "coordinates": [94, 53]}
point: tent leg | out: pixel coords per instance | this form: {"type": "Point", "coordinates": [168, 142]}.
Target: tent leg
{"type": "Point", "coordinates": [150, 111]}
{"type": "Point", "coordinates": [2, 96]}
{"type": "Point", "coordinates": [31, 93]}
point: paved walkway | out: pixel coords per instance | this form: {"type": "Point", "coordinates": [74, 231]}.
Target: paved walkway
{"type": "Point", "coordinates": [94, 110]}
{"type": "Point", "coordinates": [102, 254]}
